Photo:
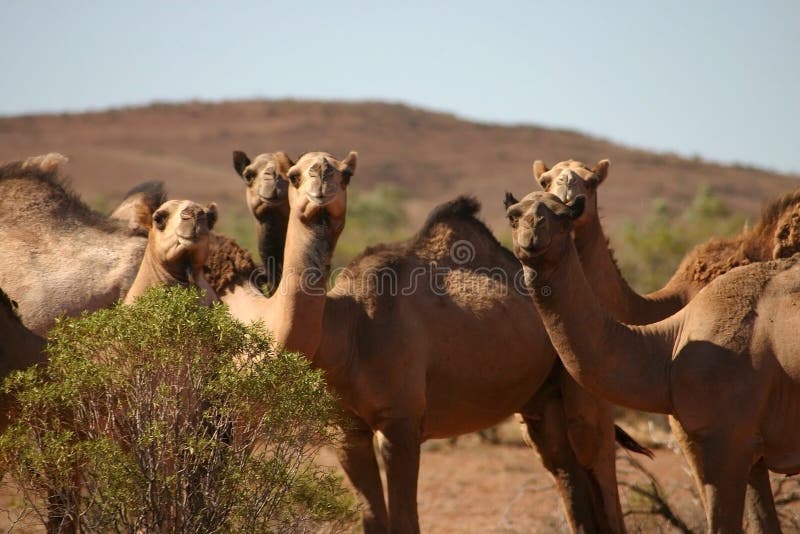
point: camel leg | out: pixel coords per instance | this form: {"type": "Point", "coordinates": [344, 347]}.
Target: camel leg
{"type": "Point", "coordinates": [590, 429]}
{"type": "Point", "coordinates": [760, 513]}
{"type": "Point", "coordinates": [723, 468]}
{"type": "Point", "coordinates": [691, 453]}
{"type": "Point", "coordinates": [357, 457]}
{"type": "Point", "coordinates": [400, 452]}
{"type": "Point", "coordinates": [544, 427]}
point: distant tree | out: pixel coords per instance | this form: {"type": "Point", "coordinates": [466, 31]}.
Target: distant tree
{"type": "Point", "coordinates": [167, 416]}
{"type": "Point", "coordinates": [650, 251]}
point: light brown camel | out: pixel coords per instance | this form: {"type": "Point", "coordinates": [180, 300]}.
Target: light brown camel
{"type": "Point", "coordinates": [60, 257]}
{"type": "Point", "coordinates": [775, 235]}
{"type": "Point", "coordinates": [267, 200]}
{"type": "Point", "coordinates": [725, 367]}
{"type": "Point", "coordinates": [393, 337]}
{"type": "Point", "coordinates": [57, 256]}
{"type": "Point", "coordinates": [177, 248]}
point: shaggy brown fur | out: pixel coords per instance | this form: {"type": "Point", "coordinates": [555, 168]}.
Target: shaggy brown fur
{"type": "Point", "coordinates": [431, 243]}
{"type": "Point", "coordinates": [47, 192]}
{"type": "Point", "coordinates": [463, 209]}
{"type": "Point", "coordinates": [781, 221]}
{"type": "Point", "coordinates": [228, 264]}
{"type": "Point", "coordinates": [775, 235]}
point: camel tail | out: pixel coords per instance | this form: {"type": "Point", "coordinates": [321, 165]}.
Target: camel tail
{"type": "Point", "coordinates": [627, 442]}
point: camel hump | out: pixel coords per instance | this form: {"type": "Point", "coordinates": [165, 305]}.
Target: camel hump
{"type": "Point", "coordinates": [152, 192]}
{"type": "Point", "coordinates": [462, 207]}
{"type": "Point", "coordinates": [137, 208]}
{"type": "Point", "coordinates": [46, 163]}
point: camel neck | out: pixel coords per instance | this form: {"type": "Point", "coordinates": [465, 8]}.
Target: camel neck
{"type": "Point", "coordinates": [152, 273]}
{"type": "Point", "coordinates": [625, 365]}
{"type": "Point", "coordinates": [612, 289]}
{"type": "Point", "coordinates": [271, 232]}
{"type": "Point", "coordinates": [298, 305]}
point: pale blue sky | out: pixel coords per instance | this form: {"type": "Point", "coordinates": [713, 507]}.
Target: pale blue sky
{"type": "Point", "coordinates": [716, 78]}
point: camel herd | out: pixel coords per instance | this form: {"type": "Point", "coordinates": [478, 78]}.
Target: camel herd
{"type": "Point", "coordinates": [418, 341]}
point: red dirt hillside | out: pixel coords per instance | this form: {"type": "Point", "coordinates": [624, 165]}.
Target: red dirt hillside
{"type": "Point", "coordinates": [433, 156]}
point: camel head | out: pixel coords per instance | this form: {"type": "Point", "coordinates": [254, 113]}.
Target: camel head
{"type": "Point", "coordinates": [541, 226]}
{"type": "Point", "coordinates": [319, 187]}
{"type": "Point", "coordinates": [267, 185]}
{"type": "Point", "coordinates": [179, 238]}
{"type": "Point", "coordinates": [569, 179]}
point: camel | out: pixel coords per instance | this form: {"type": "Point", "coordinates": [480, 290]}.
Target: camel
{"type": "Point", "coordinates": [394, 352]}
{"type": "Point", "coordinates": [725, 367]}
{"type": "Point", "coordinates": [775, 235]}
{"type": "Point", "coordinates": [177, 248]}
{"type": "Point", "coordinates": [267, 192]}
{"type": "Point", "coordinates": [57, 256]}
{"type": "Point", "coordinates": [60, 257]}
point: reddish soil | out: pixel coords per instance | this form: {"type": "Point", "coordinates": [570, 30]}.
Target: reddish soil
{"type": "Point", "coordinates": [474, 487]}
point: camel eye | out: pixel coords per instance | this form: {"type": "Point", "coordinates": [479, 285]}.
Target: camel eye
{"type": "Point", "coordinates": [249, 176]}
{"type": "Point", "coordinates": [160, 219]}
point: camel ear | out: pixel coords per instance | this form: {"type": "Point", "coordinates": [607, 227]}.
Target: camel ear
{"type": "Point", "coordinates": [600, 172]}
{"type": "Point", "coordinates": [576, 207]}
{"type": "Point", "coordinates": [509, 200]}
{"type": "Point", "coordinates": [539, 168]}
{"type": "Point", "coordinates": [211, 215]}
{"type": "Point", "coordinates": [284, 161]}
{"type": "Point", "coordinates": [240, 161]}
{"type": "Point", "coordinates": [348, 168]}
{"type": "Point", "coordinates": [160, 219]}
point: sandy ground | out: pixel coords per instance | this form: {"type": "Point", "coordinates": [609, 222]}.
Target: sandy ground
{"type": "Point", "coordinates": [475, 487]}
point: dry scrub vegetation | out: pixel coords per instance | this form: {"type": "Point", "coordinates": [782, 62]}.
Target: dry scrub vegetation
{"type": "Point", "coordinates": [167, 416]}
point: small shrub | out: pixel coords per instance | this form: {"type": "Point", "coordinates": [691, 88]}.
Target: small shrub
{"type": "Point", "coordinates": [166, 416]}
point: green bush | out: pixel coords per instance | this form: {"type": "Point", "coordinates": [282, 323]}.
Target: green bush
{"type": "Point", "coordinates": [373, 217]}
{"type": "Point", "coordinates": [650, 251]}
{"type": "Point", "coordinates": [167, 416]}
